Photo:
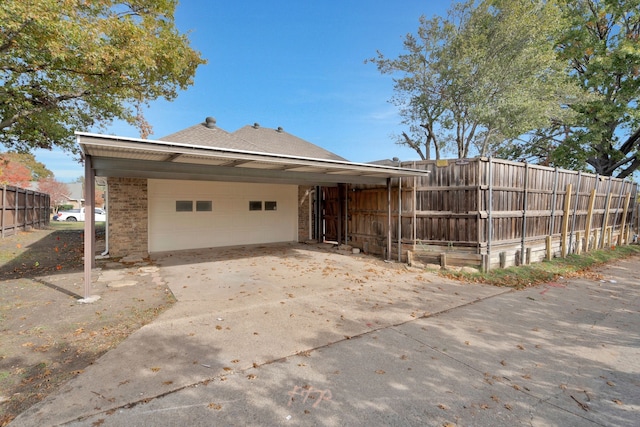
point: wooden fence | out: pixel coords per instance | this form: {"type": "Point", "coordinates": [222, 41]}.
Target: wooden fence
{"type": "Point", "coordinates": [488, 213]}
{"type": "Point", "coordinates": [21, 209]}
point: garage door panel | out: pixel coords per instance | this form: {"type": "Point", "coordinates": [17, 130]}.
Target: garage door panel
{"type": "Point", "coordinates": [230, 222]}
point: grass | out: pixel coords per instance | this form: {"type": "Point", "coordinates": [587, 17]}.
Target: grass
{"type": "Point", "coordinates": [546, 271]}
{"type": "Point", "coordinates": [72, 225]}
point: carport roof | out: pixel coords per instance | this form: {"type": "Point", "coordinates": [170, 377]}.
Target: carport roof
{"type": "Point", "coordinates": [117, 156]}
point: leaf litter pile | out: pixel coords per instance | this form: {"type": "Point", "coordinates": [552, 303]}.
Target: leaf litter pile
{"type": "Point", "coordinates": [47, 336]}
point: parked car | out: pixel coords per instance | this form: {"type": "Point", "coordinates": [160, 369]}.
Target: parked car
{"type": "Point", "coordinates": [78, 215]}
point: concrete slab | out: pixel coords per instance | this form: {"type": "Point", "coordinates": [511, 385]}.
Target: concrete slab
{"type": "Point", "coordinates": [295, 335]}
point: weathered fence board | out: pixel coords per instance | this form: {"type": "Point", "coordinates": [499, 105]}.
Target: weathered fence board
{"type": "Point", "coordinates": [495, 206]}
{"type": "Point", "coordinates": [21, 208]}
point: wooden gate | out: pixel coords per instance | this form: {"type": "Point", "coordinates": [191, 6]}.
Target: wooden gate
{"type": "Point", "coordinates": [332, 220]}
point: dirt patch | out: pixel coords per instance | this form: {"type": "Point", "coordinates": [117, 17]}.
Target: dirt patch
{"type": "Point", "coordinates": [47, 336]}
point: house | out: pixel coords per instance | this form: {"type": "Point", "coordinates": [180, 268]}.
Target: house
{"type": "Point", "coordinates": [205, 187]}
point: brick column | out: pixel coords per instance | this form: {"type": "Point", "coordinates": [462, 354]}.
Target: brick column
{"type": "Point", "coordinates": [128, 216]}
{"type": "Point", "coordinates": [304, 206]}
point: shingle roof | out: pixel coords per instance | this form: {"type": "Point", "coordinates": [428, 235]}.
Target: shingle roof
{"type": "Point", "coordinates": [250, 138]}
{"type": "Point", "coordinates": [277, 141]}
{"type": "Point", "coordinates": [201, 134]}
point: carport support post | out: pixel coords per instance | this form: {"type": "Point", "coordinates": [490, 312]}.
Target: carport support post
{"type": "Point", "coordinates": [388, 219]}
{"type": "Point", "coordinates": [89, 225]}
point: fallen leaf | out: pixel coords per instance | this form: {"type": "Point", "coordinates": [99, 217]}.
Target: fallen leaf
{"type": "Point", "coordinates": [507, 406]}
{"type": "Point", "coordinates": [495, 398]}
{"type": "Point", "coordinates": [155, 369]}
{"type": "Point", "coordinates": [167, 382]}
{"type": "Point", "coordinates": [520, 347]}
{"type": "Point", "coordinates": [251, 377]}
{"type": "Point", "coordinates": [484, 406]}
{"type": "Point", "coordinates": [610, 384]}
{"type": "Point", "coordinates": [380, 372]}
{"type": "Point", "coordinates": [503, 363]}
{"type": "Point", "coordinates": [215, 406]}
{"type": "Point", "coordinates": [443, 407]}
{"type": "Point", "coordinates": [617, 402]}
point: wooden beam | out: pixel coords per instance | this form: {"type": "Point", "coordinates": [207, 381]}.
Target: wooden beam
{"type": "Point", "coordinates": [565, 220]}
{"type": "Point", "coordinates": [621, 237]}
{"type": "Point", "coordinates": [587, 233]}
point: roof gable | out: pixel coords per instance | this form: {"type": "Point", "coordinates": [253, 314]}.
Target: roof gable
{"type": "Point", "coordinates": [207, 134]}
{"type": "Point", "coordinates": [250, 138]}
{"type": "Point", "coordinates": [277, 141]}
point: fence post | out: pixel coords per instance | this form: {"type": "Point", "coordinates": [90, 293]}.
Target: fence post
{"type": "Point", "coordinates": [605, 217]}
{"type": "Point", "coordinates": [624, 220]}
{"type": "Point", "coordinates": [524, 211]}
{"type": "Point", "coordinates": [565, 219]}
{"type": "Point", "coordinates": [587, 233]}
{"type": "Point", "coordinates": [549, 251]}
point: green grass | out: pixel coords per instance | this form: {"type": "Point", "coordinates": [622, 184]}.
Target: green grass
{"type": "Point", "coordinates": [64, 225]}
{"type": "Point", "coordinates": [546, 271]}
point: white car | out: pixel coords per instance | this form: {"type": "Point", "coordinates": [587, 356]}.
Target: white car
{"type": "Point", "coordinates": [78, 215]}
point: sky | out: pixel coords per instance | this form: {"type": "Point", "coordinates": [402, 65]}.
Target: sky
{"type": "Point", "coordinates": [298, 64]}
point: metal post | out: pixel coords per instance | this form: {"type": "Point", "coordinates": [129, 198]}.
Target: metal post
{"type": "Point", "coordinates": [346, 214]}
{"type": "Point", "coordinates": [388, 219]}
{"type": "Point", "coordinates": [399, 215]}
{"type": "Point", "coordinates": [89, 225]}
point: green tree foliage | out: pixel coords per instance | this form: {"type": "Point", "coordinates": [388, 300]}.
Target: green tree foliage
{"type": "Point", "coordinates": [602, 47]}
{"type": "Point", "coordinates": [480, 77]}
{"type": "Point", "coordinates": [68, 65]}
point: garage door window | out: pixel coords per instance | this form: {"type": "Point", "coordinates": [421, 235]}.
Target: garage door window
{"type": "Point", "coordinates": [184, 206]}
{"type": "Point", "coordinates": [255, 205]}
{"type": "Point", "coordinates": [270, 206]}
{"type": "Point", "coordinates": [204, 206]}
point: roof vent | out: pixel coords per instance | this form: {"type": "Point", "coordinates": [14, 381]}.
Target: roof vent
{"type": "Point", "coordinates": [256, 125]}
{"type": "Point", "coordinates": [279, 129]}
{"type": "Point", "coordinates": [210, 122]}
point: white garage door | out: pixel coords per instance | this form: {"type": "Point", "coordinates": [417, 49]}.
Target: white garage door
{"type": "Point", "coordinates": [198, 214]}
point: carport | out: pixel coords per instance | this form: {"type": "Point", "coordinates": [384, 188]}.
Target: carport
{"type": "Point", "coordinates": [114, 156]}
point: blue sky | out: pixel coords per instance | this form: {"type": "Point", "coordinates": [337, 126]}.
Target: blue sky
{"type": "Point", "coordinates": [295, 64]}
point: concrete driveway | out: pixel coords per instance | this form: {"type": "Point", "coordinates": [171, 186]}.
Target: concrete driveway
{"type": "Point", "coordinates": [301, 335]}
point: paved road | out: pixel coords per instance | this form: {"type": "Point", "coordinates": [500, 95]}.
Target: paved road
{"type": "Point", "coordinates": [562, 354]}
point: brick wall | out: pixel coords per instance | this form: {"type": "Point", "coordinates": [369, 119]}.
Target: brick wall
{"type": "Point", "coordinates": [128, 216]}
{"type": "Point", "coordinates": [304, 205]}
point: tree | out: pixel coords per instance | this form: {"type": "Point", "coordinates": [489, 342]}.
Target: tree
{"type": "Point", "coordinates": [73, 65]}
{"type": "Point", "coordinates": [37, 169]}
{"type": "Point", "coordinates": [602, 47]}
{"type": "Point", "coordinates": [479, 77]}
{"type": "Point", "coordinates": [57, 191]}
{"type": "Point", "coordinates": [14, 173]}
